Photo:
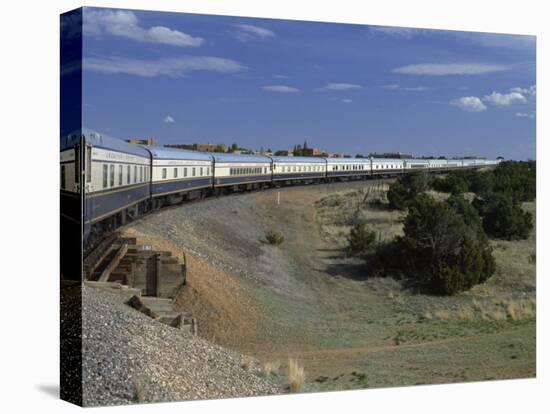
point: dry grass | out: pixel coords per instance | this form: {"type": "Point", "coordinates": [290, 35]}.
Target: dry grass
{"type": "Point", "coordinates": [247, 363]}
{"type": "Point", "coordinates": [272, 368]}
{"type": "Point", "coordinates": [296, 375]}
{"type": "Point", "coordinates": [139, 390]}
{"type": "Point", "coordinates": [493, 309]}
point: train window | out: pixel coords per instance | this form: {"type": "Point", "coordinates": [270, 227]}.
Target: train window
{"type": "Point", "coordinates": [175, 173]}
{"type": "Point", "coordinates": [194, 171]}
{"type": "Point", "coordinates": [111, 175]}
{"type": "Point", "coordinates": [88, 164]}
{"type": "Point", "coordinates": [200, 173]}
{"type": "Point", "coordinates": [120, 174]}
{"type": "Point", "coordinates": [294, 169]}
{"type": "Point", "coordinates": [76, 166]}
{"type": "Point", "coordinates": [141, 174]}
{"type": "Point", "coordinates": [135, 174]}
{"type": "Point", "coordinates": [127, 174]}
{"type": "Point", "coordinates": [185, 172]}
{"type": "Point", "coordinates": [105, 174]}
{"type": "Point", "coordinates": [62, 177]}
{"type": "Point", "coordinates": [207, 170]}
{"type": "Point", "coordinates": [164, 173]}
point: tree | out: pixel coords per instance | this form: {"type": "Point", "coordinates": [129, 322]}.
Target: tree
{"type": "Point", "coordinates": [398, 196]}
{"type": "Point", "coordinates": [503, 217]}
{"type": "Point", "coordinates": [482, 183]}
{"type": "Point", "coordinates": [517, 179]}
{"type": "Point", "coordinates": [361, 239]}
{"type": "Point", "coordinates": [406, 188]}
{"type": "Point", "coordinates": [440, 251]}
{"type": "Point", "coordinates": [452, 183]}
{"type": "Point", "coordinates": [234, 147]}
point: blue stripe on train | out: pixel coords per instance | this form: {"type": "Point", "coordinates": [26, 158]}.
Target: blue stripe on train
{"type": "Point", "coordinates": [102, 204]}
{"type": "Point", "coordinates": [342, 173]}
{"type": "Point", "coordinates": [220, 181]}
{"type": "Point", "coordinates": [399, 170]}
{"type": "Point", "coordinates": [160, 188]}
{"type": "Point", "coordinates": [295, 176]}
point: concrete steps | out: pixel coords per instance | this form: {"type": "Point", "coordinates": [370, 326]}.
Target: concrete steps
{"type": "Point", "coordinates": [162, 309]}
{"type": "Point", "coordinates": [119, 264]}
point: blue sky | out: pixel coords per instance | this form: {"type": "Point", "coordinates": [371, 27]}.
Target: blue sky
{"type": "Point", "coordinates": [185, 78]}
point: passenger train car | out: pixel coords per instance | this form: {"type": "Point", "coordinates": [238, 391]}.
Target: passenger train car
{"type": "Point", "coordinates": [122, 181]}
{"type": "Point", "coordinates": [297, 169]}
{"type": "Point", "coordinates": [239, 171]}
{"type": "Point", "coordinates": [178, 174]}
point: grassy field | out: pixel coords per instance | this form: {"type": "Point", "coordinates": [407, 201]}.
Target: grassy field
{"type": "Point", "coordinates": [359, 332]}
{"type": "Point", "coordinates": [305, 300]}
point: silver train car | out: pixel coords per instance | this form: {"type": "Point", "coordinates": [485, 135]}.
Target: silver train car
{"type": "Point", "coordinates": [105, 181]}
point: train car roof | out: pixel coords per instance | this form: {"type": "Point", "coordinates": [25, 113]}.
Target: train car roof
{"type": "Point", "coordinates": [100, 140]}
{"type": "Point", "coordinates": [167, 153]}
{"type": "Point", "coordinates": [297, 159]}
{"type": "Point", "coordinates": [70, 140]}
{"type": "Point", "coordinates": [419, 160]}
{"type": "Point", "coordinates": [388, 159]}
{"type": "Point", "coordinates": [231, 157]}
{"type": "Point", "coordinates": [347, 160]}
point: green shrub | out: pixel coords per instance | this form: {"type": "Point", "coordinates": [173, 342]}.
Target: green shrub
{"type": "Point", "coordinates": [452, 183]}
{"type": "Point", "coordinates": [405, 188]}
{"type": "Point", "coordinates": [441, 251]}
{"type": "Point", "coordinates": [398, 196]}
{"type": "Point", "coordinates": [516, 179]}
{"type": "Point", "coordinates": [481, 183]}
{"type": "Point", "coordinates": [503, 217]}
{"type": "Point", "coordinates": [274, 238]}
{"type": "Point", "coordinates": [361, 239]}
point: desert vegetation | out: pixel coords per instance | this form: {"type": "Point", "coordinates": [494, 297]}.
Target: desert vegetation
{"type": "Point", "coordinates": [445, 245]}
{"type": "Point", "coordinates": [296, 375]}
{"type": "Point", "coordinates": [273, 237]}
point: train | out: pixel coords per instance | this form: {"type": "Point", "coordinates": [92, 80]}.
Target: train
{"type": "Point", "coordinates": [106, 181]}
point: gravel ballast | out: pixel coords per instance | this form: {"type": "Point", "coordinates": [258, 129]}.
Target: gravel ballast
{"type": "Point", "coordinates": [130, 358]}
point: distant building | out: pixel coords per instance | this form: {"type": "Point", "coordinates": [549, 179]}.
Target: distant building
{"type": "Point", "coordinates": [181, 146]}
{"type": "Point", "coordinates": [312, 152]}
{"type": "Point", "coordinates": [140, 141]}
{"type": "Point", "coordinates": [282, 153]}
{"type": "Point", "coordinates": [398, 155]}
{"type": "Point", "coordinates": [200, 147]}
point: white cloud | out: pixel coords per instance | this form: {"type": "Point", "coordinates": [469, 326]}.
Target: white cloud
{"type": "Point", "coordinates": [346, 100]}
{"type": "Point", "coordinates": [168, 119]}
{"type": "Point", "coordinates": [417, 88]}
{"type": "Point", "coordinates": [280, 88]}
{"type": "Point", "coordinates": [280, 76]}
{"type": "Point", "coordinates": [521, 43]}
{"type": "Point", "coordinates": [407, 88]}
{"type": "Point", "coordinates": [339, 87]}
{"type": "Point", "coordinates": [247, 32]}
{"type": "Point", "coordinates": [505, 99]}
{"type": "Point", "coordinates": [124, 23]}
{"type": "Point", "coordinates": [175, 67]}
{"type": "Point", "coordinates": [524, 115]}
{"type": "Point", "coordinates": [469, 103]}
{"type": "Point", "coordinates": [531, 90]}
{"type": "Point", "coordinates": [441, 69]}
{"type": "Point", "coordinates": [404, 32]}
